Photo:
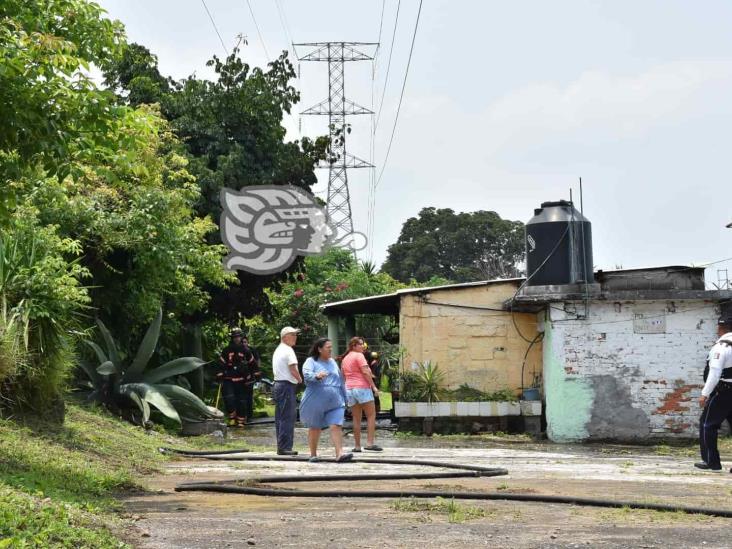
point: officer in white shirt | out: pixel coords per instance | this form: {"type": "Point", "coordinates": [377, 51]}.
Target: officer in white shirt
{"type": "Point", "coordinates": [286, 378]}
{"type": "Point", "coordinates": [716, 397]}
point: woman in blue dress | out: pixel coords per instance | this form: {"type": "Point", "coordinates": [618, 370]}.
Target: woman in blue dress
{"type": "Point", "coordinates": [324, 402]}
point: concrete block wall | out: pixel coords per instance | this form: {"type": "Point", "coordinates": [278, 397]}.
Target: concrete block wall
{"type": "Point", "coordinates": [632, 370]}
{"type": "Point", "coordinates": [479, 347]}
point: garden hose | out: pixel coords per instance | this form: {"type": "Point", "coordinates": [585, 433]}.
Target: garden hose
{"type": "Point", "coordinates": [236, 487]}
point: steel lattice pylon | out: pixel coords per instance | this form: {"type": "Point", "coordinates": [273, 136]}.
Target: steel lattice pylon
{"type": "Point", "coordinates": [337, 107]}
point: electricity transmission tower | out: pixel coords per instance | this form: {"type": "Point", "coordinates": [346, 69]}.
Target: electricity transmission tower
{"type": "Point", "coordinates": [337, 107]}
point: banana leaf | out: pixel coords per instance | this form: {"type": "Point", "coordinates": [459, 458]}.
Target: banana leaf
{"type": "Point", "coordinates": [186, 400]}
{"type": "Point", "coordinates": [141, 404]}
{"type": "Point", "coordinates": [172, 368]}
{"type": "Point", "coordinates": [146, 349]}
{"type": "Point", "coordinates": [153, 396]}
{"type": "Point", "coordinates": [111, 346]}
{"type": "Point", "coordinates": [106, 368]}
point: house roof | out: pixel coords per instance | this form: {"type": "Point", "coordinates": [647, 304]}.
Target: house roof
{"type": "Point", "coordinates": [388, 304]}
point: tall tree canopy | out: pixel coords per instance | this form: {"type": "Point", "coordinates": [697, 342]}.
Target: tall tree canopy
{"type": "Point", "coordinates": [461, 247]}
{"type": "Point", "coordinates": [233, 134]}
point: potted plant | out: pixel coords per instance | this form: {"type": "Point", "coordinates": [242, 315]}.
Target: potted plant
{"type": "Point", "coordinates": [532, 392]}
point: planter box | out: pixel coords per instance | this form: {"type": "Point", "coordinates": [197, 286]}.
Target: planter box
{"type": "Point", "coordinates": [468, 409]}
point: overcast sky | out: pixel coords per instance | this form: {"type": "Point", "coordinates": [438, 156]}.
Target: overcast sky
{"type": "Point", "coordinates": [507, 104]}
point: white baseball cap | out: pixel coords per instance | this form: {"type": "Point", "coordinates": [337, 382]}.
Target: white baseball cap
{"type": "Point", "coordinates": [289, 330]}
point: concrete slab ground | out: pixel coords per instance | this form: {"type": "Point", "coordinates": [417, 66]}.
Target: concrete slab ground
{"type": "Point", "coordinates": [659, 474]}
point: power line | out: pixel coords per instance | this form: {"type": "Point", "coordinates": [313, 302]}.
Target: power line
{"type": "Point", "coordinates": [388, 64]}
{"type": "Point", "coordinates": [401, 97]}
{"type": "Point", "coordinates": [215, 27]}
{"type": "Point", "coordinates": [285, 27]}
{"type": "Point", "coordinates": [381, 22]}
{"type": "Point", "coordinates": [372, 145]}
{"type": "Point", "coordinates": [266, 53]}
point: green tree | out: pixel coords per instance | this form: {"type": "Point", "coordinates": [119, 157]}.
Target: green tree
{"type": "Point", "coordinates": [233, 134]}
{"type": "Point", "coordinates": [460, 247]}
{"type": "Point", "coordinates": [133, 215]}
{"type": "Point", "coordinates": [51, 111]}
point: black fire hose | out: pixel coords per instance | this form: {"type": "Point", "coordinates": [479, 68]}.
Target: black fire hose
{"type": "Point", "coordinates": [231, 487]}
{"type": "Point", "coordinates": [202, 453]}
{"type": "Point", "coordinates": [336, 478]}
{"type": "Point", "coordinates": [571, 500]}
{"type": "Point", "coordinates": [485, 471]}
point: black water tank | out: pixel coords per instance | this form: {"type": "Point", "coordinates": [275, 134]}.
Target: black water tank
{"type": "Point", "coordinates": [558, 245]}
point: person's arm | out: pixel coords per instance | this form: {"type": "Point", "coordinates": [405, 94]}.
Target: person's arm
{"type": "Point", "coordinates": [367, 374]}
{"type": "Point", "coordinates": [308, 371]}
{"type": "Point", "coordinates": [292, 365]}
{"type": "Point", "coordinates": [716, 360]}
{"type": "Point", "coordinates": [221, 366]}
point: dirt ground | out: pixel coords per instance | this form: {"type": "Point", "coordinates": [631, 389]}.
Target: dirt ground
{"type": "Point", "coordinates": [165, 518]}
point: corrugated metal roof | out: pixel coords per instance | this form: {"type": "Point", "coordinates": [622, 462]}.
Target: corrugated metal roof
{"type": "Point", "coordinates": [389, 303]}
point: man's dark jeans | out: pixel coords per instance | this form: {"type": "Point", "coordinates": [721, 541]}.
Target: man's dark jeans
{"type": "Point", "coordinates": [283, 394]}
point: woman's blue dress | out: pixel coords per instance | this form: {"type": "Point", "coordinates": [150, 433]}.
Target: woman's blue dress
{"type": "Point", "coordinates": [324, 401]}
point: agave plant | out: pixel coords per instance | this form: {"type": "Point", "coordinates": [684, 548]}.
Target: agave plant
{"type": "Point", "coordinates": [429, 382]}
{"type": "Point", "coordinates": [114, 381]}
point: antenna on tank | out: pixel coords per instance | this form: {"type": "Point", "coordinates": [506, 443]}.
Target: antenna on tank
{"type": "Point", "coordinates": [584, 255]}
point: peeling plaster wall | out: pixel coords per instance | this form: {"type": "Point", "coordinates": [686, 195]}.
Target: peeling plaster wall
{"type": "Point", "coordinates": [619, 376]}
{"type": "Point", "coordinates": [479, 347]}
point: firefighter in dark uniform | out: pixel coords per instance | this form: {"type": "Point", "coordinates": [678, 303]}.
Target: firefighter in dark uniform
{"type": "Point", "coordinates": [249, 386]}
{"type": "Point", "coordinates": [716, 397]}
{"type": "Point", "coordinates": [238, 370]}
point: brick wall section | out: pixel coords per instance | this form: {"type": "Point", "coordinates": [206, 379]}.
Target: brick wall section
{"type": "Point", "coordinates": [640, 384]}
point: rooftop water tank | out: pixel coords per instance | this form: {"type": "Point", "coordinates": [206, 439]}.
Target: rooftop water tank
{"type": "Point", "coordinates": [558, 246]}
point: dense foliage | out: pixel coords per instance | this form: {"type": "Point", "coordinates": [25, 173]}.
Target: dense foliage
{"type": "Point", "coordinates": [233, 135]}
{"type": "Point", "coordinates": [98, 208]}
{"type": "Point", "coordinates": [334, 276]}
{"type": "Point", "coordinates": [460, 247]}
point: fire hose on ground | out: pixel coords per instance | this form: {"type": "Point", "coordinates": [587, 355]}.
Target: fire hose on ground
{"type": "Point", "coordinates": [245, 486]}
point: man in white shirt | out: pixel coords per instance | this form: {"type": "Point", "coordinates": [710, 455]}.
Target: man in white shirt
{"type": "Point", "coordinates": [716, 398]}
{"type": "Point", "coordinates": [286, 378]}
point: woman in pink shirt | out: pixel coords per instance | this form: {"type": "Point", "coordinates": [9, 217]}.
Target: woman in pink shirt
{"type": "Point", "coordinates": [360, 390]}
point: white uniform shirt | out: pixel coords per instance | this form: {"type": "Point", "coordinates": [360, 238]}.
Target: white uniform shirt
{"type": "Point", "coordinates": [720, 357]}
{"type": "Point", "coordinates": [283, 356]}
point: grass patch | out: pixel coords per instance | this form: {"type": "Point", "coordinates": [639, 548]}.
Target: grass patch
{"type": "Point", "coordinates": [626, 514]}
{"type": "Point", "coordinates": [456, 512]}
{"type": "Point", "coordinates": [29, 521]}
{"type": "Point", "coordinates": [83, 461]}
{"type": "Point", "coordinates": [58, 483]}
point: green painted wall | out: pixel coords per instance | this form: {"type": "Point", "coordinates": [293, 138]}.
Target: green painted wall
{"type": "Point", "coordinates": [568, 399]}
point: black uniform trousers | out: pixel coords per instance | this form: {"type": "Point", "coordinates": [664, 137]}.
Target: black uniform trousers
{"type": "Point", "coordinates": [717, 409]}
{"type": "Point", "coordinates": [233, 392]}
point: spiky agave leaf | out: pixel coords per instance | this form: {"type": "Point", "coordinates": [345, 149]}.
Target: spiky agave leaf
{"type": "Point", "coordinates": [141, 403]}
{"type": "Point", "coordinates": [112, 351]}
{"type": "Point", "coordinates": [106, 368]}
{"type": "Point", "coordinates": [173, 368]}
{"type": "Point", "coordinates": [185, 400]}
{"type": "Point", "coordinates": [155, 397]}
{"type": "Point", "coordinates": [101, 355]}
{"type": "Point", "coordinates": [145, 351]}
{"type": "Point", "coordinates": [91, 373]}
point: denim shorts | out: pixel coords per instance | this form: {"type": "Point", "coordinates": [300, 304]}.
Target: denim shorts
{"type": "Point", "coordinates": [359, 396]}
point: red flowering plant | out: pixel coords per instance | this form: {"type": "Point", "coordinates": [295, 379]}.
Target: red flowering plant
{"type": "Point", "coordinates": [333, 276]}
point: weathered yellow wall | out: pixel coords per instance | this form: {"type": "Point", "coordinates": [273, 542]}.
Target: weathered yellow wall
{"type": "Point", "coordinates": [477, 347]}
